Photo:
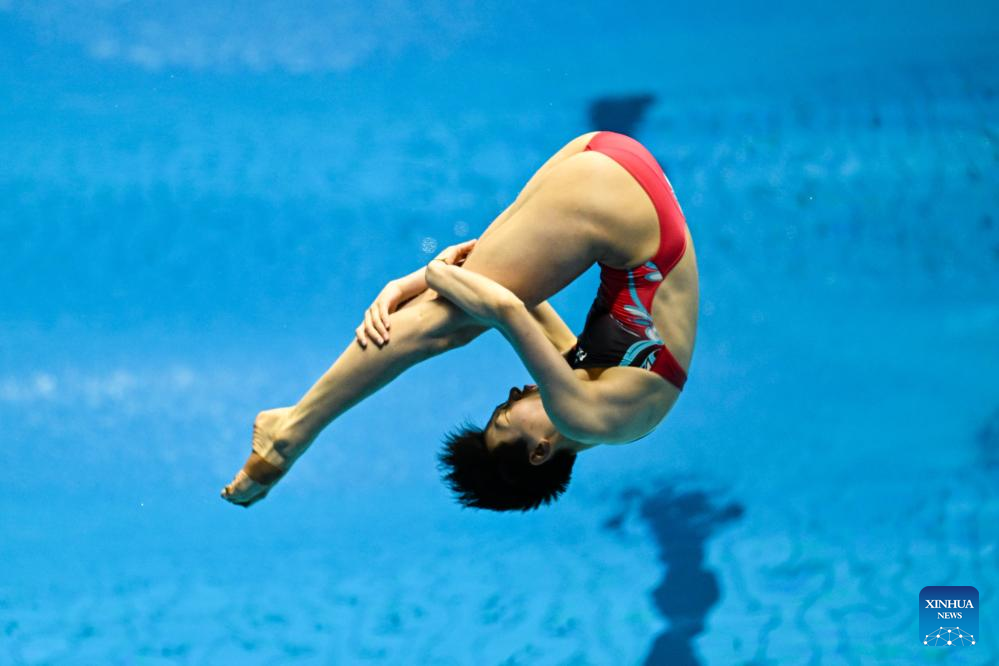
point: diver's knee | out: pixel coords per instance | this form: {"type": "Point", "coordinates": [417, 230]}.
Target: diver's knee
{"type": "Point", "coordinates": [455, 337]}
{"type": "Point", "coordinates": [445, 326]}
{"type": "Point", "coordinates": [462, 336]}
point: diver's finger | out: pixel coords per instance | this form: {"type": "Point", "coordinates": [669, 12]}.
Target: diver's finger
{"type": "Point", "coordinates": [361, 338]}
{"type": "Point", "coordinates": [369, 328]}
{"type": "Point", "coordinates": [376, 319]}
{"type": "Point", "coordinates": [464, 250]}
{"type": "Point", "coordinates": [451, 254]}
{"type": "Point", "coordinates": [384, 311]}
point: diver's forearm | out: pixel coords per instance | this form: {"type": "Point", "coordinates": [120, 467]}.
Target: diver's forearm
{"type": "Point", "coordinates": [564, 396]}
{"type": "Point", "coordinates": [540, 357]}
{"type": "Point", "coordinates": [418, 332]}
{"type": "Point", "coordinates": [414, 283]}
{"type": "Point", "coordinates": [555, 329]}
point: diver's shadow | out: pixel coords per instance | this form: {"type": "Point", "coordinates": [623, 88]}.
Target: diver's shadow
{"type": "Point", "coordinates": [987, 441]}
{"type": "Point", "coordinates": [682, 522]}
{"type": "Point", "coordinates": [622, 113]}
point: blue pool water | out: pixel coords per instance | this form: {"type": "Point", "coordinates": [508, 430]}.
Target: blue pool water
{"type": "Point", "coordinates": [198, 200]}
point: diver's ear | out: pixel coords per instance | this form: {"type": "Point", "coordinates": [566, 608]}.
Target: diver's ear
{"type": "Point", "coordinates": [540, 452]}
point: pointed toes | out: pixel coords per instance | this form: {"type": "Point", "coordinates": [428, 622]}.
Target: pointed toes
{"type": "Point", "coordinates": [242, 491]}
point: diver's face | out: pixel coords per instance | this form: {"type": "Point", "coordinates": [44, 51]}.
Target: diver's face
{"type": "Point", "coordinates": [521, 417]}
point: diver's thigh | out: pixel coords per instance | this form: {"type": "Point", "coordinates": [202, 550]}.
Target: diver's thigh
{"type": "Point", "coordinates": [574, 147]}
{"type": "Point", "coordinates": [533, 257]}
{"type": "Point", "coordinates": [548, 241]}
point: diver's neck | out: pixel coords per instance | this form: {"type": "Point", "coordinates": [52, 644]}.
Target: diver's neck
{"type": "Point", "coordinates": [567, 444]}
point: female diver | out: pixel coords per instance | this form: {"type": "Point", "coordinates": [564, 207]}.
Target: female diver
{"type": "Point", "coordinates": [601, 198]}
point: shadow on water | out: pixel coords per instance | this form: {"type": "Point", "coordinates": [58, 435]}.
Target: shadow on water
{"type": "Point", "coordinates": [682, 522]}
{"type": "Point", "coordinates": [622, 114]}
{"type": "Point", "coordinates": [619, 114]}
{"type": "Point", "coordinates": [988, 443]}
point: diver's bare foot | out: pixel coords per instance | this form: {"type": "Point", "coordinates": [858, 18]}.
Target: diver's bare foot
{"type": "Point", "coordinates": [270, 459]}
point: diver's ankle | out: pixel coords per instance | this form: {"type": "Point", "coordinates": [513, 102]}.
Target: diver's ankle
{"type": "Point", "coordinates": [290, 435]}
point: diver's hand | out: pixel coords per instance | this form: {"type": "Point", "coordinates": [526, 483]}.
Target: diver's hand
{"type": "Point", "coordinates": [487, 301]}
{"type": "Point", "coordinates": [376, 322]}
{"type": "Point", "coordinates": [456, 254]}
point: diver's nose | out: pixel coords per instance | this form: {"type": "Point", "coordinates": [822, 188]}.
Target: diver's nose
{"type": "Point", "coordinates": [514, 393]}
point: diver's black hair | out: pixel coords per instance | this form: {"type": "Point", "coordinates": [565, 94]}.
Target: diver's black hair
{"type": "Point", "coordinates": [501, 480]}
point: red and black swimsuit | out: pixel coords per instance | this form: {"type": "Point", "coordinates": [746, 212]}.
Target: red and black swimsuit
{"type": "Point", "coordinates": [619, 329]}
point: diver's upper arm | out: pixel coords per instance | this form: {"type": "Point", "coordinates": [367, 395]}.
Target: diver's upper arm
{"type": "Point", "coordinates": [613, 409]}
